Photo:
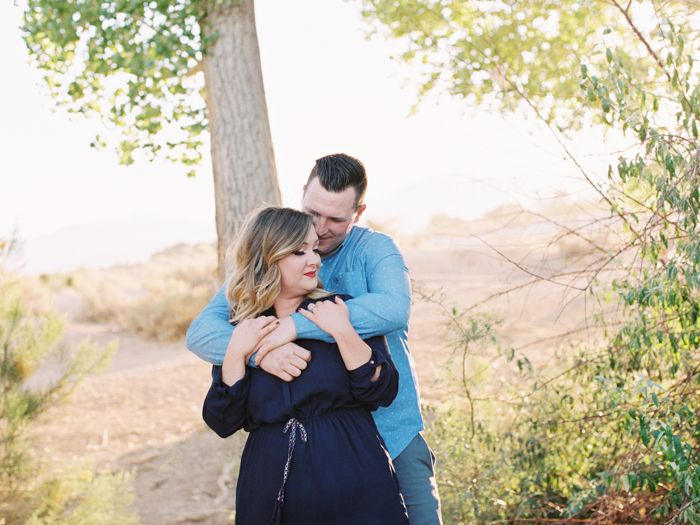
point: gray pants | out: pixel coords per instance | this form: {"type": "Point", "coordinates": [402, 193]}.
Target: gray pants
{"type": "Point", "coordinates": [415, 472]}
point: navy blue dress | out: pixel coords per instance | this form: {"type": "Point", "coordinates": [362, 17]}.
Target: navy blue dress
{"type": "Point", "coordinates": [313, 455]}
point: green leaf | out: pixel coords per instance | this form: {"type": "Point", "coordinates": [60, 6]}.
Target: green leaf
{"type": "Point", "coordinates": [625, 482]}
{"type": "Point", "coordinates": [592, 95]}
{"type": "Point", "coordinates": [670, 164]}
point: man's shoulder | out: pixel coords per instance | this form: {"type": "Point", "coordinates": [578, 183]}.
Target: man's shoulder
{"type": "Point", "coordinates": [366, 238]}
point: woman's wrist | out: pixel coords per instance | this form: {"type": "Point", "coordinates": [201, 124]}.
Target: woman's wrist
{"type": "Point", "coordinates": [233, 368]}
{"type": "Point", "coordinates": [347, 334]}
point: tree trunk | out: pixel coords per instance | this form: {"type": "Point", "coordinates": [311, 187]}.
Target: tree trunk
{"type": "Point", "coordinates": [243, 160]}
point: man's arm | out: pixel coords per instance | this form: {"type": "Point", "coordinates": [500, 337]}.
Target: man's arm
{"type": "Point", "coordinates": [210, 332]}
{"type": "Point", "coordinates": [385, 307]}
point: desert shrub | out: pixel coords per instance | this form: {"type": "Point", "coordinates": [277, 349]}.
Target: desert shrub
{"type": "Point", "coordinates": [82, 498]}
{"type": "Point", "coordinates": [608, 432]}
{"type": "Point", "coordinates": [28, 343]}
{"type": "Point", "coordinates": [588, 438]}
{"type": "Point", "coordinates": [158, 299]}
{"type": "Point", "coordinates": [166, 315]}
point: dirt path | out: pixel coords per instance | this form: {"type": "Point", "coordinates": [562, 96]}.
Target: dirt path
{"type": "Point", "coordinates": [144, 415]}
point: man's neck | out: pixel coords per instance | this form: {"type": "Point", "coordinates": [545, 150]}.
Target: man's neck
{"type": "Point", "coordinates": [337, 248]}
{"type": "Point", "coordinates": [324, 255]}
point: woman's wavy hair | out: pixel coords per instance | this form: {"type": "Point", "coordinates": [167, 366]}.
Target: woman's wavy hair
{"type": "Point", "coordinates": [267, 235]}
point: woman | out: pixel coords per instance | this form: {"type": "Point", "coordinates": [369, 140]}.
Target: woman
{"type": "Point", "coordinates": [313, 455]}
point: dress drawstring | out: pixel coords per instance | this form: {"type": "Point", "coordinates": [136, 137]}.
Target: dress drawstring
{"type": "Point", "coordinates": [294, 424]}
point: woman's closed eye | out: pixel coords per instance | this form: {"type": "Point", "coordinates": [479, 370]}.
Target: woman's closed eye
{"type": "Point", "coordinates": [303, 252]}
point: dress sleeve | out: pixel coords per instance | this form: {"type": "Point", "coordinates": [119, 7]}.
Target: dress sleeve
{"type": "Point", "coordinates": [381, 392]}
{"type": "Point", "coordinates": [224, 408]}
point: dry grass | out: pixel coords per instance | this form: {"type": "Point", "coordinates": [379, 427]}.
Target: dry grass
{"type": "Point", "coordinates": [158, 299]}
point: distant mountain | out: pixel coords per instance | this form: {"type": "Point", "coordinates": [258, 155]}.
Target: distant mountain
{"type": "Point", "coordinates": [104, 244]}
{"type": "Point", "coordinates": [409, 210]}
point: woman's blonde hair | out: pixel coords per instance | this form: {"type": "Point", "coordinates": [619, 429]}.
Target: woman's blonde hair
{"type": "Point", "coordinates": [267, 235]}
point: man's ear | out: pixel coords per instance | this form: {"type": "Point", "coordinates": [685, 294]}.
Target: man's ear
{"type": "Point", "coordinates": [359, 213]}
{"type": "Point", "coordinates": [303, 196]}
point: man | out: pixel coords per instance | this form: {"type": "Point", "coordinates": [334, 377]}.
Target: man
{"type": "Point", "coordinates": [368, 266]}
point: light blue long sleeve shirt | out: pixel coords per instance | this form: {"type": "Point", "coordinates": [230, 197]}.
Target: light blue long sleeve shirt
{"type": "Point", "coordinates": [370, 267]}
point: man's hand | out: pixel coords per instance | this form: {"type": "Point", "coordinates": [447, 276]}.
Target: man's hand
{"type": "Point", "coordinates": [284, 333]}
{"type": "Point", "coordinates": [286, 362]}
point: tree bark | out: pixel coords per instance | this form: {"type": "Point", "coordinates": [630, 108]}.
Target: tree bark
{"type": "Point", "coordinates": [245, 176]}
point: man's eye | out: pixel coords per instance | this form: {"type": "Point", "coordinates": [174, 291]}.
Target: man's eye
{"type": "Point", "coordinates": [316, 250]}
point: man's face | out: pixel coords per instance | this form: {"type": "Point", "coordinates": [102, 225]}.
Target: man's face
{"type": "Point", "coordinates": [333, 214]}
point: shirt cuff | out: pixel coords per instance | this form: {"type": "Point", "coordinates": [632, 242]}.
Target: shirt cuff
{"type": "Point", "coordinates": [232, 391]}
{"type": "Point", "coordinates": [366, 371]}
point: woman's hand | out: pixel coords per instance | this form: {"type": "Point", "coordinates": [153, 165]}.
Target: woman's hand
{"type": "Point", "coordinates": [248, 334]}
{"type": "Point", "coordinates": [244, 340]}
{"type": "Point", "coordinates": [331, 317]}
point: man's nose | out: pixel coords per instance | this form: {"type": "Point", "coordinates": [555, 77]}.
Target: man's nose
{"type": "Point", "coordinates": [320, 225]}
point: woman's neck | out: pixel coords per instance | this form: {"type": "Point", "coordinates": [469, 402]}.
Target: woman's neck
{"type": "Point", "coordinates": [285, 307]}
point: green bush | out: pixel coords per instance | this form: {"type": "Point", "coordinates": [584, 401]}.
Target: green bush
{"type": "Point", "coordinates": [30, 343]}
{"type": "Point", "coordinates": [82, 498]}
{"type": "Point", "coordinates": [588, 438]}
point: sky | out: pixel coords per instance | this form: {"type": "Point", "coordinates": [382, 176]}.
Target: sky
{"type": "Point", "coordinates": [329, 89]}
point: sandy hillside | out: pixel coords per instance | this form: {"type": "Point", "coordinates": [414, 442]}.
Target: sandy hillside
{"type": "Point", "coordinates": [144, 414]}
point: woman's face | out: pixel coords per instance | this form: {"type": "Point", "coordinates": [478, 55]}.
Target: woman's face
{"type": "Point", "coordinates": [299, 269]}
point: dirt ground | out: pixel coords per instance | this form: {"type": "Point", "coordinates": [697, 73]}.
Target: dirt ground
{"type": "Point", "coordinates": [144, 414]}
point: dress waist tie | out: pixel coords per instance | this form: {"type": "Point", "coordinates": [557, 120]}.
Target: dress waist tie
{"type": "Point", "coordinates": [292, 424]}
